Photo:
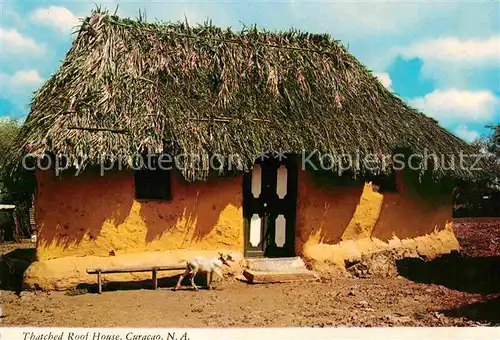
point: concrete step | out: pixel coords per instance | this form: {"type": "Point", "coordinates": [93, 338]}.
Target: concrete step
{"type": "Point", "coordinates": [282, 264]}
{"type": "Point", "coordinates": [275, 270]}
{"type": "Point", "coordinates": [253, 276]}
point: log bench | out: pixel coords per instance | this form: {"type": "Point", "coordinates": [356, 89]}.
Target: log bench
{"type": "Point", "coordinates": [113, 270]}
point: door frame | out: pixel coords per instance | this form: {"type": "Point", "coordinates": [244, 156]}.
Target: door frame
{"type": "Point", "coordinates": [286, 206]}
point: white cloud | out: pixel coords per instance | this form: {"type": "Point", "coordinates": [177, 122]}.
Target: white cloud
{"type": "Point", "coordinates": [18, 89]}
{"type": "Point", "coordinates": [455, 50]}
{"type": "Point", "coordinates": [57, 17]}
{"type": "Point", "coordinates": [457, 105]}
{"type": "Point", "coordinates": [463, 132]}
{"type": "Point", "coordinates": [23, 78]}
{"type": "Point", "coordinates": [13, 42]}
{"type": "Point", "coordinates": [451, 61]}
{"type": "Point", "coordinates": [19, 86]}
{"type": "Point", "coordinates": [385, 79]}
{"type": "Point", "coordinates": [353, 20]}
{"type": "Point", "coordinates": [372, 29]}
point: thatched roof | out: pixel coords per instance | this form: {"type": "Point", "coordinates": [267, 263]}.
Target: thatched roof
{"type": "Point", "coordinates": [128, 85]}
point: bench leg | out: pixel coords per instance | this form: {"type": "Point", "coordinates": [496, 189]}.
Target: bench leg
{"type": "Point", "coordinates": [155, 279]}
{"type": "Point", "coordinates": [99, 282]}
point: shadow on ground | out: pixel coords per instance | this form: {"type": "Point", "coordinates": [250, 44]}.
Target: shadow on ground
{"type": "Point", "coordinates": [166, 282]}
{"type": "Point", "coordinates": [463, 273]}
{"type": "Point", "coordinates": [12, 268]}
{"type": "Point", "coordinates": [485, 311]}
{"type": "Point", "coordinates": [454, 271]}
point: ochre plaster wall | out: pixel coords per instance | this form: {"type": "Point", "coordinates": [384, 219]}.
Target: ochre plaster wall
{"type": "Point", "coordinates": [92, 215]}
{"type": "Point", "coordinates": [82, 220]}
{"type": "Point", "coordinates": [336, 223]}
{"type": "Point", "coordinates": [71, 271]}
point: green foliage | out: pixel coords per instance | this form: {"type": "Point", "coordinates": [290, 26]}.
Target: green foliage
{"type": "Point", "coordinates": [494, 141]}
{"type": "Point", "coordinates": [9, 128]}
{"type": "Point", "coordinates": [17, 189]}
{"type": "Point", "coordinates": [493, 146]}
{"type": "Point", "coordinates": [490, 143]}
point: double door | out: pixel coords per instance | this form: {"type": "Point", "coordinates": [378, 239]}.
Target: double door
{"type": "Point", "coordinates": [269, 207]}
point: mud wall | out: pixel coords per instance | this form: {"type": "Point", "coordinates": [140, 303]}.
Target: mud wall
{"type": "Point", "coordinates": [89, 221]}
{"type": "Point", "coordinates": [337, 223]}
{"type": "Point", "coordinates": [93, 215]}
{"type": "Point", "coordinates": [71, 271]}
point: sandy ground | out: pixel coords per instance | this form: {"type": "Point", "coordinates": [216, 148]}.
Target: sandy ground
{"type": "Point", "coordinates": [342, 302]}
{"type": "Point", "coordinates": [449, 299]}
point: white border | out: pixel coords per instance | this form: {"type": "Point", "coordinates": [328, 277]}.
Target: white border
{"type": "Point", "coordinates": [410, 333]}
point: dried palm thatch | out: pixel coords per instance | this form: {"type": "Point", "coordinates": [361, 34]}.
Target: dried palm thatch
{"type": "Point", "coordinates": [128, 86]}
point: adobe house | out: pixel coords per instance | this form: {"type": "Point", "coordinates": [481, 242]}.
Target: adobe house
{"type": "Point", "coordinates": [127, 88]}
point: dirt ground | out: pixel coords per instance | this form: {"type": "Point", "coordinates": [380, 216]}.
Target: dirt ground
{"type": "Point", "coordinates": [342, 302]}
{"type": "Point", "coordinates": [466, 293]}
{"type": "Point", "coordinates": [478, 237]}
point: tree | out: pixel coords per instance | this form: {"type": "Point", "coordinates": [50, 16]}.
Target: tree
{"type": "Point", "coordinates": [494, 142]}
{"type": "Point", "coordinates": [482, 198]}
{"type": "Point", "coordinates": [15, 190]}
{"type": "Point", "coordinates": [9, 128]}
{"type": "Point", "coordinates": [490, 143]}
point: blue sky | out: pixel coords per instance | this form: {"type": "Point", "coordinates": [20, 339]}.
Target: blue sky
{"type": "Point", "coordinates": [441, 57]}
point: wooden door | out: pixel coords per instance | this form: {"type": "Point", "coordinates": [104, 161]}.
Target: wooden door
{"type": "Point", "coordinates": [269, 208]}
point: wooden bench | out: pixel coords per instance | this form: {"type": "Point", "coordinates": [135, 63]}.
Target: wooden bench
{"type": "Point", "coordinates": [114, 270]}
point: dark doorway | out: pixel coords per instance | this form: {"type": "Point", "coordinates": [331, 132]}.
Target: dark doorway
{"type": "Point", "coordinates": [269, 207]}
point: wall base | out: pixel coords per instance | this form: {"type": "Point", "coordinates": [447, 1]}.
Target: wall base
{"type": "Point", "coordinates": [328, 257]}
{"type": "Point", "coordinates": [69, 272]}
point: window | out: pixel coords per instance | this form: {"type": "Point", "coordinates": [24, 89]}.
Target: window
{"type": "Point", "coordinates": [386, 183]}
{"type": "Point", "coordinates": [154, 182]}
